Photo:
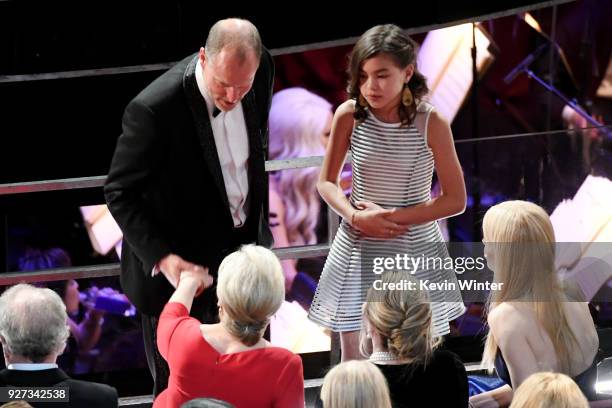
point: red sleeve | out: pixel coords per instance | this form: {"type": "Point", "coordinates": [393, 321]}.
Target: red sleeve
{"type": "Point", "coordinates": [172, 319]}
{"type": "Point", "coordinates": [290, 387]}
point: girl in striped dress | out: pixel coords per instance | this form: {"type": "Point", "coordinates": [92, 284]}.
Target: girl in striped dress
{"type": "Point", "coordinates": [396, 141]}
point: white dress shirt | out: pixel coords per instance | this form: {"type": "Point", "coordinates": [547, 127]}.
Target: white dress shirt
{"type": "Point", "coordinates": [31, 366]}
{"type": "Point", "coordinates": [232, 141]}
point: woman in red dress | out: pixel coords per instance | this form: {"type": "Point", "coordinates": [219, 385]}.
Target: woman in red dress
{"type": "Point", "coordinates": [230, 360]}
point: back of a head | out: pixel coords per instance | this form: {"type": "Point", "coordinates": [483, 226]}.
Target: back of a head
{"type": "Point", "coordinates": [250, 288]}
{"type": "Point", "coordinates": [206, 403]}
{"type": "Point", "coordinates": [517, 221]}
{"type": "Point", "coordinates": [33, 322]}
{"type": "Point", "coordinates": [238, 34]}
{"type": "Point", "coordinates": [16, 404]}
{"type": "Point", "coordinates": [297, 122]}
{"type": "Point", "coordinates": [522, 239]}
{"type": "Point", "coordinates": [548, 390]}
{"type": "Point", "coordinates": [402, 317]}
{"type": "Point", "coordinates": [35, 259]}
{"type": "Point", "coordinates": [355, 384]}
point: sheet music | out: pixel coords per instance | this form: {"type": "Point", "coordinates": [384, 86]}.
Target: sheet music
{"type": "Point", "coordinates": [445, 59]}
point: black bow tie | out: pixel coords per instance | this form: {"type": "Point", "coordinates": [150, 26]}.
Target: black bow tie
{"type": "Point", "coordinates": [216, 112]}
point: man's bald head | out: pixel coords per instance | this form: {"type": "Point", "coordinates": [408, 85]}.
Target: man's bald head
{"type": "Point", "coordinates": [239, 35]}
{"type": "Point", "coordinates": [32, 324]}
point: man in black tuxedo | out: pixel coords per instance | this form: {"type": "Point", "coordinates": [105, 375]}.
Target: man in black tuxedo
{"type": "Point", "coordinates": [187, 183]}
{"type": "Point", "coordinates": [33, 332]}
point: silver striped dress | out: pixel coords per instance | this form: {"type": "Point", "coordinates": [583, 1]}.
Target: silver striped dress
{"type": "Point", "coordinates": [392, 167]}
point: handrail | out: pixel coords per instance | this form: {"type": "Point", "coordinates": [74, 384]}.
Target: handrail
{"type": "Point", "coordinates": [275, 51]}
{"type": "Point", "coordinates": [98, 181]}
{"type": "Point", "coordinates": [97, 271]}
{"type": "Point", "coordinates": [271, 165]}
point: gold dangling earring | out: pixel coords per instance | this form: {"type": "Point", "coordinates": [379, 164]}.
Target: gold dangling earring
{"type": "Point", "coordinates": [407, 98]}
{"type": "Point", "coordinates": [362, 101]}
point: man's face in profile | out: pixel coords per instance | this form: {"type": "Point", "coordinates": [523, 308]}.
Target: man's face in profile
{"type": "Point", "coordinates": [229, 75]}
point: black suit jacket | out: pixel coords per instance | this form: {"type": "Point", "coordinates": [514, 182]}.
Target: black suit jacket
{"type": "Point", "coordinates": [165, 187]}
{"type": "Point", "coordinates": [81, 393]}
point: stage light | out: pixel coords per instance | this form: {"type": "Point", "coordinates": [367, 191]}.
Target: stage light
{"type": "Point", "coordinates": [532, 22]}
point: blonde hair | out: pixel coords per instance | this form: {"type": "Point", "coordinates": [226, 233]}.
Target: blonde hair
{"type": "Point", "coordinates": [355, 384]}
{"type": "Point", "coordinates": [549, 390]}
{"type": "Point", "coordinates": [297, 121]}
{"type": "Point", "coordinates": [16, 404]}
{"type": "Point", "coordinates": [403, 318]}
{"type": "Point", "coordinates": [250, 288]}
{"type": "Point", "coordinates": [523, 242]}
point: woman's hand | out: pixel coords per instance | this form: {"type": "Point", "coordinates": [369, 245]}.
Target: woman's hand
{"type": "Point", "coordinates": [197, 277]}
{"type": "Point", "coordinates": [372, 220]}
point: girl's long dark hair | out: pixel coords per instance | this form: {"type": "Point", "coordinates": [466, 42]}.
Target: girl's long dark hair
{"type": "Point", "coordinates": [391, 40]}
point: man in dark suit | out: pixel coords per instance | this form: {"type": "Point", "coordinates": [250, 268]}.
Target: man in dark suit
{"type": "Point", "coordinates": [187, 183]}
{"type": "Point", "coordinates": [33, 332]}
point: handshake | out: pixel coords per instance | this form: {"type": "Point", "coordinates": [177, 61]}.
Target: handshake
{"type": "Point", "coordinates": [181, 272]}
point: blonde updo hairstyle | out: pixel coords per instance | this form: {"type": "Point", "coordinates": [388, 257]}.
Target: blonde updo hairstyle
{"type": "Point", "coordinates": [250, 288]}
{"type": "Point", "coordinates": [403, 318]}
